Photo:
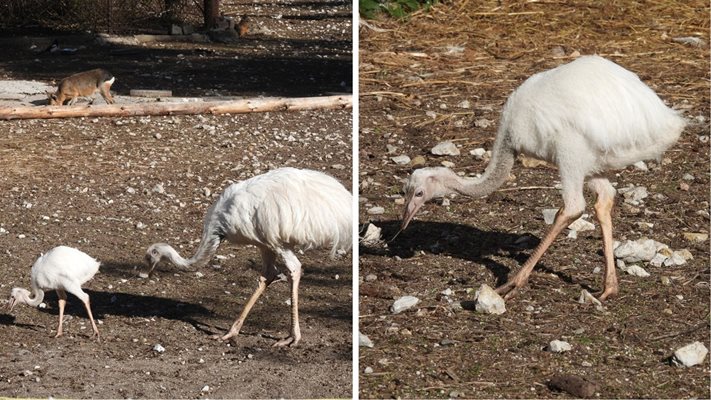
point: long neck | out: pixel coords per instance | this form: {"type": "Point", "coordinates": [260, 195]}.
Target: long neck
{"type": "Point", "coordinates": [496, 173]}
{"type": "Point", "coordinates": [205, 251]}
{"type": "Point", "coordinates": [37, 299]}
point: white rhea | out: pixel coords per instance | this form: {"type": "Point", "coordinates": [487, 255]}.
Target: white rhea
{"type": "Point", "coordinates": [587, 117]}
{"type": "Point", "coordinates": [278, 212]}
{"type": "Point", "coordinates": [63, 269]}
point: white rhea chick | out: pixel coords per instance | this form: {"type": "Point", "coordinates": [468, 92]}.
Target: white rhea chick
{"type": "Point", "coordinates": [587, 117]}
{"type": "Point", "coordinates": [277, 212]}
{"type": "Point", "coordinates": [63, 269]}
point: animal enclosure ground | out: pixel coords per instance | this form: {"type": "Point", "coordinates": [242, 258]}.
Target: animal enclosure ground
{"type": "Point", "coordinates": [444, 75]}
{"type": "Point", "coordinates": [113, 186]}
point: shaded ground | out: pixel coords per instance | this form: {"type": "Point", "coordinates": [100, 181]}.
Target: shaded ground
{"type": "Point", "coordinates": [90, 183]}
{"type": "Point", "coordinates": [414, 77]}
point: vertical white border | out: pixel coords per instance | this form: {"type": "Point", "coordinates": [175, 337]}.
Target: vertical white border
{"type": "Point", "coordinates": [356, 175]}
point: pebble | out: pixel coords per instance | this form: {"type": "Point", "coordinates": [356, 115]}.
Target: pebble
{"type": "Point", "coordinates": [478, 153]}
{"type": "Point", "coordinates": [390, 148]}
{"type": "Point", "coordinates": [690, 355]}
{"type": "Point", "coordinates": [418, 161]}
{"type": "Point", "coordinates": [368, 370]}
{"type": "Point", "coordinates": [158, 348]}
{"type": "Point", "coordinates": [158, 188]}
{"type": "Point", "coordinates": [688, 177]}
{"type": "Point", "coordinates": [587, 297]}
{"type": "Point", "coordinates": [483, 123]}
{"type": "Point", "coordinates": [678, 258]}
{"type": "Point", "coordinates": [696, 237]}
{"type": "Point", "coordinates": [641, 165]}
{"type": "Point", "coordinates": [446, 148]}
{"type": "Point", "coordinates": [205, 389]}
{"type": "Point", "coordinates": [371, 278]}
{"type": "Point", "coordinates": [199, 274]}
{"type": "Point", "coordinates": [376, 210]}
{"type": "Point", "coordinates": [372, 234]}
{"type": "Point", "coordinates": [488, 301]}
{"type": "Point", "coordinates": [559, 346]}
{"type": "Point", "coordinates": [636, 270]}
{"type": "Point", "coordinates": [549, 215]}
{"type": "Point", "coordinates": [581, 225]}
{"type": "Point", "coordinates": [684, 187]}
{"type": "Point", "coordinates": [464, 104]}
{"type": "Point", "coordinates": [447, 164]}
{"type": "Point", "coordinates": [665, 280]}
{"type": "Point", "coordinates": [633, 195]}
{"type": "Point", "coordinates": [635, 251]}
{"type": "Point", "coordinates": [401, 160]}
{"type": "Point", "coordinates": [364, 341]}
{"type": "Point", "coordinates": [403, 303]}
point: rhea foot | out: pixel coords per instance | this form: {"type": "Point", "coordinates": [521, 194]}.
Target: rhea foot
{"type": "Point", "coordinates": [608, 292]}
{"type": "Point", "coordinates": [289, 341]}
{"type": "Point", "coordinates": [510, 288]}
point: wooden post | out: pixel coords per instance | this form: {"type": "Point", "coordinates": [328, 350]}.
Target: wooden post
{"type": "Point", "coordinates": [198, 107]}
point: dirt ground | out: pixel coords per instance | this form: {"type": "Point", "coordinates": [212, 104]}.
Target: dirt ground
{"type": "Point", "coordinates": [95, 184]}
{"type": "Point", "coordinates": [416, 80]}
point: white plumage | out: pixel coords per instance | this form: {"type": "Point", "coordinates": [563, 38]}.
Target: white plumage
{"type": "Point", "coordinates": [588, 116]}
{"type": "Point", "coordinates": [278, 212]}
{"type": "Point", "coordinates": [63, 269]}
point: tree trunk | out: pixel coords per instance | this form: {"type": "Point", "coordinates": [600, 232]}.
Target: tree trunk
{"type": "Point", "coordinates": [200, 107]}
{"type": "Point", "coordinates": [211, 11]}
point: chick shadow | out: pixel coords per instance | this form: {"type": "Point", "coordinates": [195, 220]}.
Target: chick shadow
{"type": "Point", "coordinates": [460, 241]}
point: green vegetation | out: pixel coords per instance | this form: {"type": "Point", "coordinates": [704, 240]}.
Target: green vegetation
{"type": "Point", "coordinates": [399, 9]}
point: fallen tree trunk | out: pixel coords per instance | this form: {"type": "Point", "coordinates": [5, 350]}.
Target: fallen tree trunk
{"type": "Point", "coordinates": [199, 107]}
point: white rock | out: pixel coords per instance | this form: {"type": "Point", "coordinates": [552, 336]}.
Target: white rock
{"type": "Point", "coordinates": [581, 225]}
{"type": "Point", "coordinates": [688, 177]}
{"type": "Point", "coordinates": [658, 260]}
{"type": "Point", "coordinates": [478, 153]}
{"type": "Point", "coordinates": [488, 301]}
{"type": "Point", "coordinates": [587, 297]}
{"type": "Point", "coordinates": [401, 160]}
{"type": "Point", "coordinates": [447, 164]}
{"type": "Point", "coordinates": [364, 341]}
{"type": "Point", "coordinates": [447, 292]}
{"type": "Point", "coordinates": [635, 251]}
{"type": "Point", "coordinates": [376, 210]}
{"type": "Point", "coordinates": [641, 165]}
{"type": "Point", "coordinates": [677, 258]}
{"type": "Point", "coordinates": [690, 355]}
{"type": "Point", "coordinates": [372, 234]}
{"type": "Point", "coordinates": [464, 104]}
{"type": "Point", "coordinates": [636, 270]}
{"type": "Point", "coordinates": [403, 303]}
{"type": "Point", "coordinates": [549, 215]}
{"type": "Point", "coordinates": [633, 195]}
{"type": "Point", "coordinates": [390, 148]}
{"type": "Point", "coordinates": [368, 370]}
{"type": "Point", "coordinates": [445, 202]}
{"type": "Point", "coordinates": [431, 114]}
{"type": "Point", "coordinates": [371, 278]}
{"type": "Point", "coordinates": [199, 274]}
{"type": "Point", "coordinates": [205, 389]}
{"type": "Point", "coordinates": [158, 348]}
{"type": "Point", "coordinates": [446, 148]}
{"type": "Point", "coordinates": [158, 188]}
{"type": "Point", "coordinates": [482, 123]}
{"type": "Point", "coordinates": [559, 346]}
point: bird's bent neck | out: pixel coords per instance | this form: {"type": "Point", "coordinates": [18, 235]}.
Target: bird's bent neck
{"type": "Point", "coordinates": [37, 299]}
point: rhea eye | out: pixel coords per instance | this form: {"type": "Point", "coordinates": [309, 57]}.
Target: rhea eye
{"type": "Point", "coordinates": [154, 252]}
{"type": "Point", "coordinates": [419, 193]}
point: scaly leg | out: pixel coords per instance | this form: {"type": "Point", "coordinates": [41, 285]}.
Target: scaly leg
{"type": "Point", "coordinates": [269, 273]}
{"type": "Point", "coordinates": [294, 266]}
{"type": "Point", "coordinates": [603, 209]}
{"type": "Point", "coordinates": [562, 220]}
{"type": "Point", "coordinates": [62, 302]}
{"type": "Point", "coordinates": [91, 318]}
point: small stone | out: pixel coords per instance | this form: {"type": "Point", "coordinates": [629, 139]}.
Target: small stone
{"type": "Point", "coordinates": [401, 160]}
{"type": "Point", "coordinates": [445, 202]}
{"type": "Point", "coordinates": [199, 274]}
{"type": "Point", "coordinates": [364, 341]}
{"type": "Point", "coordinates": [587, 297]}
{"type": "Point", "coordinates": [483, 123]}
{"type": "Point", "coordinates": [140, 225]}
{"type": "Point", "coordinates": [404, 303]}
{"type": "Point", "coordinates": [641, 165]}
{"type": "Point", "coordinates": [635, 251]}
{"type": "Point", "coordinates": [688, 177]}
{"type": "Point", "coordinates": [559, 346]}
{"type": "Point", "coordinates": [549, 215]}
{"type": "Point", "coordinates": [665, 280]}
{"type": "Point", "coordinates": [677, 258]}
{"type": "Point", "coordinates": [464, 104]}
{"type": "Point", "coordinates": [368, 370]}
{"type": "Point", "coordinates": [130, 190]}
{"type": "Point", "coordinates": [690, 355]}
{"type": "Point", "coordinates": [658, 260]}
{"type": "Point", "coordinates": [581, 225]}
{"type": "Point", "coordinates": [158, 348]}
{"type": "Point", "coordinates": [446, 148]}
{"type": "Point", "coordinates": [447, 164]}
{"type": "Point", "coordinates": [376, 210]}
{"type": "Point", "coordinates": [447, 292]}
{"type": "Point", "coordinates": [158, 188]}
{"type": "Point", "coordinates": [684, 187]}
{"type": "Point", "coordinates": [390, 148]}
{"type": "Point", "coordinates": [372, 234]}
{"type": "Point", "coordinates": [431, 114]}
{"type": "Point", "coordinates": [338, 166]}
{"type": "Point", "coordinates": [696, 237]}
{"type": "Point", "coordinates": [371, 278]}
{"type": "Point", "coordinates": [488, 301]}
{"type": "Point", "coordinates": [418, 161]}
{"type": "Point", "coordinates": [633, 195]}
{"type": "Point", "coordinates": [205, 389]}
{"type": "Point", "coordinates": [157, 135]}
{"type": "Point", "coordinates": [478, 153]}
{"type": "Point", "coordinates": [636, 270]}
{"type": "Point", "coordinates": [586, 364]}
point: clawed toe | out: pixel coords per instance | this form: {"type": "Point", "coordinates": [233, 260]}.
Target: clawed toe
{"type": "Point", "coordinates": [289, 341]}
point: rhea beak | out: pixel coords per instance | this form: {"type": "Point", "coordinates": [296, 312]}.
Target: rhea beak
{"type": "Point", "coordinates": [151, 265]}
{"type": "Point", "coordinates": [411, 208]}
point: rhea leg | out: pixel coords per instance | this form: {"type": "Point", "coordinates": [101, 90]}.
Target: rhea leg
{"type": "Point", "coordinates": [574, 204]}
{"type": "Point", "coordinates": [269, 273]}
{"type": "Point", "coordinates": [294, 266]}
{"type": "Point", "coordinates": [603, 208]}
{"type": "Point", "coordinates": [81, 295]}
{"type": "Point", "coordinates": [62, 302]}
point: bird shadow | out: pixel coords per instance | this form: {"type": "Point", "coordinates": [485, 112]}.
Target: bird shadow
{"type": "Point", "coordinates": [8, 319]}
{"type": "Point", "coordinates": [460, 241]}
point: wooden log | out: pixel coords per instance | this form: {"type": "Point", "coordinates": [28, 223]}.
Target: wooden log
{"type": "Point", "coordinates": [150, 93]}
{"type": "Point", "coordinates": [199, 107]}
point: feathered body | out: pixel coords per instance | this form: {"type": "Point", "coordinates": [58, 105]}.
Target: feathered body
{"type": "Point", "coordinates": [63, 269]}
{"type": "Point", "coordinates": [279, 211]}
{"type": "Point", "coordinates": [586, 117]}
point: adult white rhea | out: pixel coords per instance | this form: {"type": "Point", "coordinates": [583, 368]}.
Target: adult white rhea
{"type": "Point", "coordinates": [63, 269]}
{"type": "Point", "coordinates": [587, 117]}
{"type": "Point", "coordinates": [278, 211]}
